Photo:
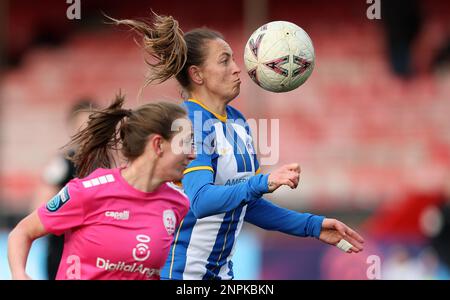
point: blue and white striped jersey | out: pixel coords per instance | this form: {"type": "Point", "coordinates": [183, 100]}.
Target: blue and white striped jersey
{"type": "Point", "coordinates": [225, 190]}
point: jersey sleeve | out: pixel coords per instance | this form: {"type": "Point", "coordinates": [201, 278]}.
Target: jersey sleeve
{"type": "Point", "coordinates": [209, 199]}
{"type": "Point", "coordinates": [180, 212]}
{"type": "Point", "coordinates": [183, 204]}
{"type": "Point", "coordinates": [269, 216]}
{"type": "Point", "coordinates": [65, 210]}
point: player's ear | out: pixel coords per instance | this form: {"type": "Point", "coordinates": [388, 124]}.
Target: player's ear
{"type": "Point", "coordinates": [155, 142]}
{"type": "Point", "coordinates": [195, 74]}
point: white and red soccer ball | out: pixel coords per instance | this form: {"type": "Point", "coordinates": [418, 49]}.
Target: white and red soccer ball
{"type": "Point", "coordinates": [279, 56]}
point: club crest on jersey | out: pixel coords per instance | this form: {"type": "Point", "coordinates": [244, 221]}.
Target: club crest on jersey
{"type": "Point", "coordinates": [58, 200]}
{"type": "Point", "coordinates": [170, 220]}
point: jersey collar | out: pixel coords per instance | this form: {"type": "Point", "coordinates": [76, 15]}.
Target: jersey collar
{"type": "Point", "coordinates": [220, 117]}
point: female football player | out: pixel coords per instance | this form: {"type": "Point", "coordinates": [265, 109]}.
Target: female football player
{"type": "Point", "coordinates": [223, 183]}
{"type": "Point", "coordinates": [118, 223]}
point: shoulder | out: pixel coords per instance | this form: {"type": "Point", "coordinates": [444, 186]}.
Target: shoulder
{"type": "Point", "coordinates": [175, 190]}
{"type": "Point", "coordinates": [237, 118]}
{"type": "Point", "coordinates": [233, 113]}
{"type": "Point", "coordinates": [72, 194]}
{"type": "Point", "coordinates": [203, 122]}
{"type": "Point", "coordinates": [97, 184]}
{"type": "Point", "coordinates": [176, 193]}
{"type": "Point", "coordinates": [199, 115]}
{"type": "Point", "coordinates": [100, 179]}
{"type": "Point", "coordinates": [194, 109]}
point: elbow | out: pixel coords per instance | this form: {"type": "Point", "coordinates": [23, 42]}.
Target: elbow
{"type": "Point", "coordinates": [14, 234]}
{"type": "Point", "coordinates": [11, 236]}
{"type": "Point", "coordinates": [200, 206]}
{"type": "Point", "coordinates": [20, 234]}
{"type": "Point", "coordinates": [14, 238]}
{"type": "Point", "coordinates": [198, 214]}
{"type": "Point", "coordinates": [197, 210]}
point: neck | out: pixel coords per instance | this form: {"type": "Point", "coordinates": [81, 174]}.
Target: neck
{"type": "Point", "coordinates": [141, 175]}
{"type": "Point", "coordinates": [214, 104]}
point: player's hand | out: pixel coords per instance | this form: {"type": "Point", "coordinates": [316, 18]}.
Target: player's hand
{"type": "Point", "coordinates": [286, 175]}
{"type": "Point", "coordinates": [333, 231]}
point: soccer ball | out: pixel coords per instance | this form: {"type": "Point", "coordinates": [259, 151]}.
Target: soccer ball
{"type": "Point", "coordinates": [279, 56]}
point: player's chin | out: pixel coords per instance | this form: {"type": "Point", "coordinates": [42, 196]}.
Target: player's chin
{"type": "Point", "coordinates": [235, 92]}
{"type": "Point", "coordinates": [177, 178]}
{"type": "Point", "coordinates": [177, 174]}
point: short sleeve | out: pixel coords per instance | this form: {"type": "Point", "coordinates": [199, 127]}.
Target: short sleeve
{"type": "Point", "coordinates": [65, 210]}
{"type": "Point", "coordinates": [182, 211]}
{"type": "Point", "coordinates": [183, 204]}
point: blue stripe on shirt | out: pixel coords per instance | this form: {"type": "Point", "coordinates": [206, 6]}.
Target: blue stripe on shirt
{"type": "Point", "coordinates": [217, 250]}
{"type": "Point", "coordinates": [224, 244]}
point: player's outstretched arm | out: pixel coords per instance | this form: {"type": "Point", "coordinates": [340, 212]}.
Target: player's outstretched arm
{"type": "Point", "coordinates": [209, 199]}
{"type": "Point", "coordinates": [269, 216]}
{"type": "Point", "coordinates": [338, 234]}
{"type": "Point", "coordinates": [19, 243]}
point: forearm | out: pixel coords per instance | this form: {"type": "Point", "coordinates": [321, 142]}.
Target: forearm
{"type": "Point", "coordinates": [19, 244]}
{"type": "Point", "coordinates": [208, 199]}
{"type": "Point", "coordinates": [269, 216]}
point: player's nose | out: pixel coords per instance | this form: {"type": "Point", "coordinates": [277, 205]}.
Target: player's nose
{"type": "Point", "coordinates": [236, 69]}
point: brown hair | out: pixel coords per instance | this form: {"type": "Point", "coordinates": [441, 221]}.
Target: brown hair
{"type": "Point", "coordinates": [115, 126]}
{"type": "Point", "coordinates": [196, 54]}
{"type": "Point", "coordinates": [164, 41]}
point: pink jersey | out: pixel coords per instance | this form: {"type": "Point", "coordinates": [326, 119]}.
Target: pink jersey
{"type": "Point", "coordinates": [112, 230]}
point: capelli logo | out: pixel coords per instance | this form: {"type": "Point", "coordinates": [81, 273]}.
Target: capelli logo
{"type": "Point", "coordinates": [124, 215]}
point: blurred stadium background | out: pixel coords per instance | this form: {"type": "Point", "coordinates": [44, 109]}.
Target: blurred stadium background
{"type": "Point", "coordinates": [370, 128]}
